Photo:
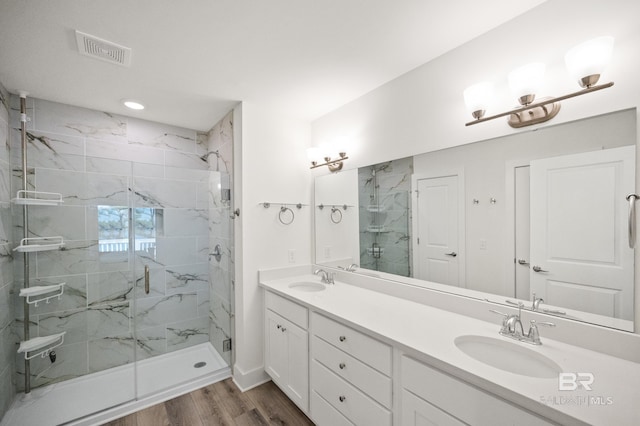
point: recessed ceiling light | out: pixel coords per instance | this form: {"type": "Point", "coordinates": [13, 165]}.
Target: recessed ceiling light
{"type": "Point", "coordinates": [133, 104]}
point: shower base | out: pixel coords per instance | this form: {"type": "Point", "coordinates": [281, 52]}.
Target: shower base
{"type": "Point", "coordinates": [100, 397]}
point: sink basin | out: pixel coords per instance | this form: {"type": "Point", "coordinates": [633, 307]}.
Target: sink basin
{"type": "Point", "coordinates": [508, 356]}
{"type": "Point", "coordinates": [307, 286]}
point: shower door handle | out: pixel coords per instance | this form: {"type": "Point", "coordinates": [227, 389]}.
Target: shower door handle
{"type": "Point", "coordinates": [631, 198]}
{"type": "Point", "coordinates": [146, 279]}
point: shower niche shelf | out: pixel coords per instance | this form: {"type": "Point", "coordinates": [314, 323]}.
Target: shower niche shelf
{"type": "Point", "coordinates": [375, 251]}
{"type": "Point", "coordinates": [41, 346]}
{"type": "Point", "coordinates": [376, 209]}
{"type": "Point", "coordinates": [377, 229]}
{"type": "Point", "coordinates": [43, 293]}
{"type": "Point", "coordinates": [38, 198]}
{"type": "Point", "coordinates": [36, 244]}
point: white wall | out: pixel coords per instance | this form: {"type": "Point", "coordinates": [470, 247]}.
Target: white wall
{"type": "Point", "coordinates": [273, 168]}
{"type": "Point", "coordinates": [424, 110]}
{"type": "Point", "coordinates": [337, 241]}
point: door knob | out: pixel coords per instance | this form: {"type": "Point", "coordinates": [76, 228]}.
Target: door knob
{"type": "Point", "coordinates": [536, 268]}
{"type": "Point", "coordinates": [452, 254]}
{"type": "Point", "coordinates": [522, 262]}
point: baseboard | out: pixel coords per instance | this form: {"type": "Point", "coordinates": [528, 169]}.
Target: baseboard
{"type": "Point", "coordinates": [249, 379]}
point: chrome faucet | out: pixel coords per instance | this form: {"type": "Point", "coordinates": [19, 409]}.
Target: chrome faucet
{"type": "Point", "coordinates": [535, 306]}
{"type": "Point", "coordinates": [536, 302]}
{"type": "Point", "coordinates": [510, 325]}
{"type": "Point", "coordinates": [327, 277]}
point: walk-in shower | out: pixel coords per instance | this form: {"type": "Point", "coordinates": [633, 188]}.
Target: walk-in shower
{"type": "Point", "coordinates": [119, 298]}
{"type": "Point", "coordinates": [384, 206]}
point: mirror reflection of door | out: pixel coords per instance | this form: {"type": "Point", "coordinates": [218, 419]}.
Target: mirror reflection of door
{"type": "Point", "coordinates": [522, 225]}
{"type": "Point", "coordinates": [436, 246]}
{"type": "Point", "coordinates": [576, 261]}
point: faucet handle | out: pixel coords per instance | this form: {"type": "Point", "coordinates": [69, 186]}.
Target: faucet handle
{"type": "Point", "coordinates": [498, 312]}
{"type": "Point", "coordinates": [534, 334]}
{"type": "Point", "coordinates": [545, 323]}
{"type": "Point", "coordinates": [505, 318]}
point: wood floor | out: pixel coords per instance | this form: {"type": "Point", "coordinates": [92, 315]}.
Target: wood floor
{"type": "Point", "coordinates": [221, 404]}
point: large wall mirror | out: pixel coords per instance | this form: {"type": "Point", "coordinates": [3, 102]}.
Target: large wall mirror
{"type": "Point", "coordinates": [539, 218]}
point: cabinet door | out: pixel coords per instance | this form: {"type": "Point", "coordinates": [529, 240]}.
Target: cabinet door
{"type": "Point", "coordinates": [275, 348]}
{"type": "Point", "coordinates": [418, 412]}
{"type": "Point", "coordinates": [287, 357]}
{"type": "Point", "coordinates": [297, 346]}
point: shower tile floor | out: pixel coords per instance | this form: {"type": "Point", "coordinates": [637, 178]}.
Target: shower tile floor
{"type": "Point", "coordinates": [99, 397]}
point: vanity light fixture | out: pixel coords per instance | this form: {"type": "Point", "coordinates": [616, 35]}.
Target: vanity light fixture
{"type": "Point", "coordinates": [333, 164]}
{"type": "Point", "coordinates": [585, 63]}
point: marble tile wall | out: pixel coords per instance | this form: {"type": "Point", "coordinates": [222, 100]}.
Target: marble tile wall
{"type": "Point", "coordinates": [102, 164]}
{"type": "Point", "coordinates": [384, 208]}
{"type": "Point", "coordinates": [7, 314]}
{"type": "Point", "coordinates": [221, 272]}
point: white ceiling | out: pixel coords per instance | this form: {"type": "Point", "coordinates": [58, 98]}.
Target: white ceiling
{"type": "Point", "coordinates": [193, 60]}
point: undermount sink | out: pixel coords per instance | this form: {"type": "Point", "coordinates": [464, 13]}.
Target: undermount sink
{"type": "Point", "coordinates": [508, 356]}
{"type": "Point", "coordinates": [307, 286]}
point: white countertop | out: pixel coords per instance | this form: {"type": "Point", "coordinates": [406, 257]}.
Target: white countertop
{"type": "Point", "coordinates": [431, 332]}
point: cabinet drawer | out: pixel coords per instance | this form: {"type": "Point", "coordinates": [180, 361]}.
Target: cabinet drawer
{"type": "Point", "coordinates": [295, 313]}
{"type": "Point", "coordinates": [365, 378]}
{"type": "Point", "coordinates": [461, 400]}
{"type": "Point", "coordinates": [353, 404]}
{"type": "Point", "coordinates": [360, 346]}
{"type": "Point", "coordinates": [323, 414]}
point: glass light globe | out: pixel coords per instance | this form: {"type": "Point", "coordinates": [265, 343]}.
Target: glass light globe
{"type": "Point", "coordinates": [526, 81]}
{"type": "Point", "coordinates": [586, 61]}
{"type": "Point", "coordinates": [478, 97]}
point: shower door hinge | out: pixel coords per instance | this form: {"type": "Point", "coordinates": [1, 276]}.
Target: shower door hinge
{"type": "Point", "coordinates": [226, 345]}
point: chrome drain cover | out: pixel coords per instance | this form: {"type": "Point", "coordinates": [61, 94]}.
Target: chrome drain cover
{"type": "Point", "coordinates": [199, 364]}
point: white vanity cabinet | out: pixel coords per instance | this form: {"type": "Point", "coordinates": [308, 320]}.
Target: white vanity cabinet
{"type": "Point", "coordinates": [430, 396]}
{"type": "Point", "coordinates": [350, 376]}
{"type": "Point", "coordinates": [286, 349]}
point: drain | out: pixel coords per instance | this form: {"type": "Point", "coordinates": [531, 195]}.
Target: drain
{"type": "Point", "coordinates": [199, 364]}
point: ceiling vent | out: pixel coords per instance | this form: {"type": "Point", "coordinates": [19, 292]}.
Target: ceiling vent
{"type": "Point", "coordinates": [102, 49]}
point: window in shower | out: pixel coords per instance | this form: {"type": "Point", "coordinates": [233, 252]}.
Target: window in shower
{"type": "Point", "coordinates": [113, 229]}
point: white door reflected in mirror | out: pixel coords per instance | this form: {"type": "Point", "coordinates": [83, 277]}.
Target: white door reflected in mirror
{"type": "Point", "coordinates": [495, 202]}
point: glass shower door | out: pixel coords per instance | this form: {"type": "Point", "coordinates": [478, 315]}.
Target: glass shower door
{"type": "Point", "coordinates": [176, 305]}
